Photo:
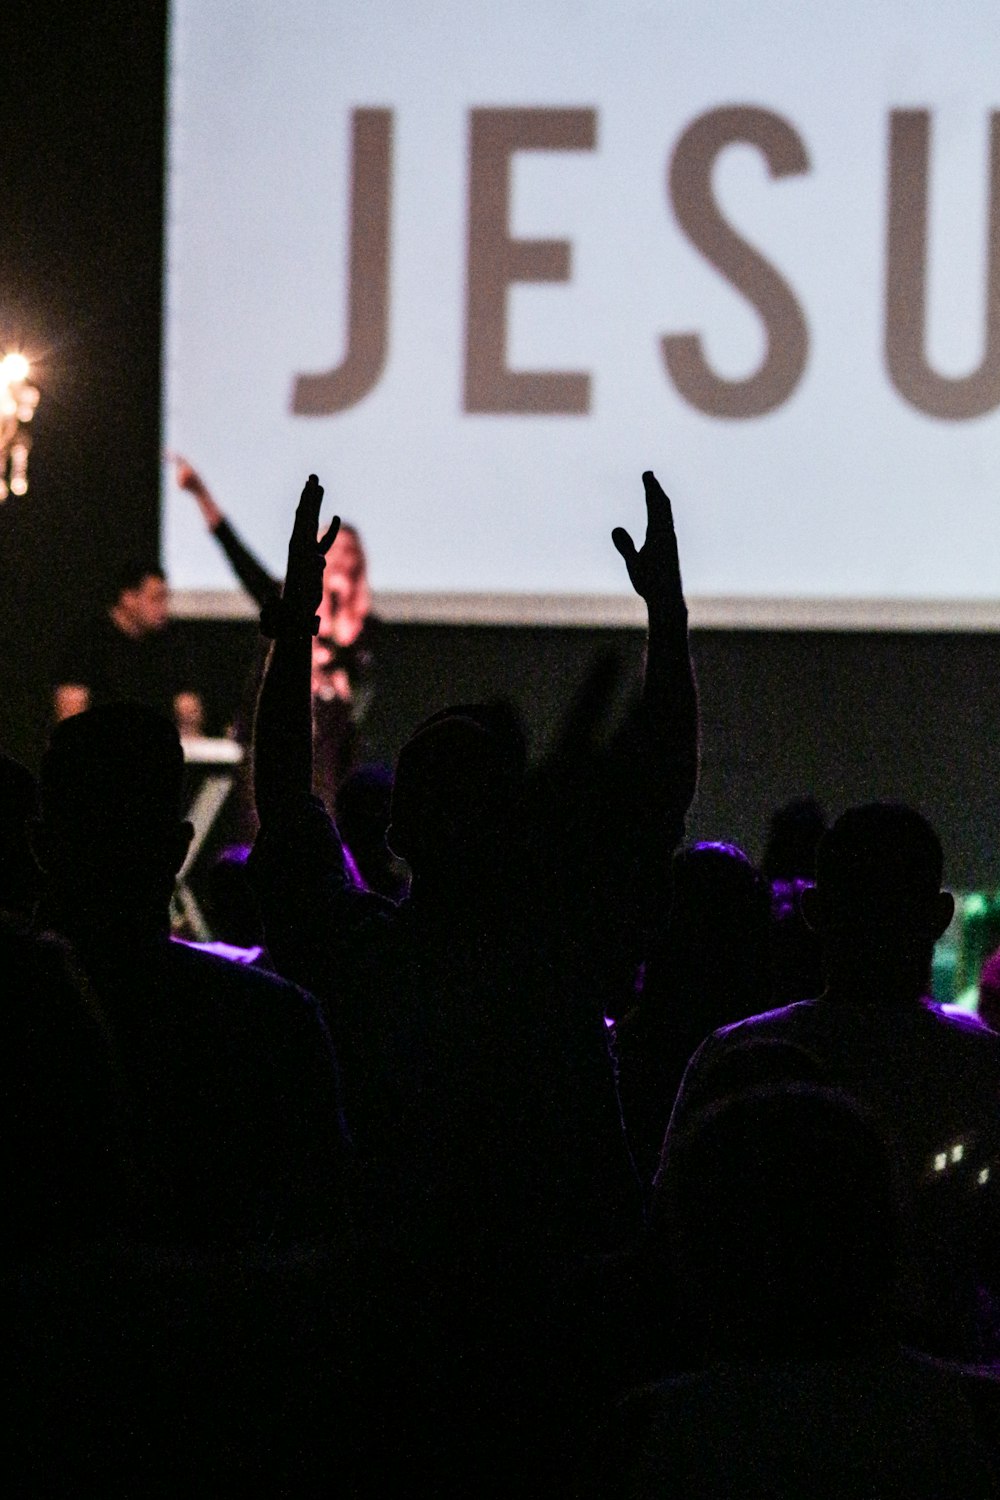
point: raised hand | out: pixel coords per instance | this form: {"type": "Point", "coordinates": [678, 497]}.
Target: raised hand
{"type": "Point", "coordinates": [654, 571]}
{"type": "Point", "coordinates": [189, 479]}
{"type": "Point", "coordinates": [187, 475]}
{"type": "Point", "coordinates": [303, 589]}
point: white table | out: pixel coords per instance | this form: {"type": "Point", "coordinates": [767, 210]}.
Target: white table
{"type": "Point", "coordinates": [220, 757]}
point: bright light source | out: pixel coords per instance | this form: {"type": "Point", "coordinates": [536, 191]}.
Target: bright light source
{"type": "Point", "coordinates": [18, 400]}
{"type": "Point", "coordinates": [940, 1161]}
{"type": "Point", "coordinates": [957, 1152]}
{"type": "Point", "coordinates": [984, 1177]}
{"type": "Point", "coordinates": [13, 369]}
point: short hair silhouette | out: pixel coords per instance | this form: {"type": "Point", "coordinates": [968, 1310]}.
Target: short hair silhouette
{"type": "Point", "coordinates": [793, 837]}
{"type": "Point", "coordinates": [880, 864]}
{"type": "Point", "coordinates": [717, 884]}
{"type": "Point", "coordinates": [782, 1208]}
{"type": "Point", "coordinates": [116, 767]}
{"type": "Point", "coordinates": [456, 785]}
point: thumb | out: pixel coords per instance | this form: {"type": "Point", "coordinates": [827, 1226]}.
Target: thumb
{"type": "Point", "coordinates": [327, 541]}
{"type": "Point", "coordinates": [625, 545]}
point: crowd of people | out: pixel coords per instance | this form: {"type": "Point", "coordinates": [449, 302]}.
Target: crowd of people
{"type": "Point", "coordinates": [582, 1162]}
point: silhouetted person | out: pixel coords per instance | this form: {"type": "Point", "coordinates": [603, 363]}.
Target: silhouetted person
{"type": "Point", "coordinates": [468, 1019]}
{"type": "Point", "coordinates": [712, 969]}
{"type": "Point", "coordinates": [230, 904]}
{"type": "Point", "coordinates": [228, 1073]}
{"type": "Point", "coordinates": [344, 648]}
{"type": "Point", "coordinates": [66, 1175]}
{"type": "Point", "coordinates": [931, 1080]}
{"type": "Point", "coordinates": [776, 1214]}
{"type": "Point", "coordinates": [363, 811]}
{"type": "Point", "coordinates": [789, 864]}
{"type": "Point", "coordinates": [67, 1199]}
{"type": "Point", "coordinates": [792, 840]}
{"type": "Point", "coordinates": [491, 965]}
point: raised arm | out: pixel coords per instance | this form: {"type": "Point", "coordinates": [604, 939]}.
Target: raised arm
{"type": "Point", "coordinates": [249, 570]}
{"type": "Point", "coordinates": [667, 723]}
{"type": "Point", "coordinates": [283, 729]}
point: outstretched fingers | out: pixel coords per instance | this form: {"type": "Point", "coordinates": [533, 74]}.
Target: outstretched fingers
{"type": "Point", "coordinates": [653, 570]}
{"type": "Point", "coordinates": [659, 512]}
{"type": "Point", "coordinates": [330, 536]}
{"type": "Point", "coordinates": [306, 530]}
{"type": "Point", "coordinates": [307, 513]}
{"type": "Point", "coordinates": [624, 544]}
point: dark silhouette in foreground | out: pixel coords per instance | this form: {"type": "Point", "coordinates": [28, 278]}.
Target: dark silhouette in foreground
{"type": "Point", "coordinates": [777, 1214]}
{"type": "Point", "coordinates": [229, 1073]}
{"type": "Point", "coordinates": [469, 1018]}
{"type": "Point", "coordinates": [710, 969]}
{"type": "Point", "coordinates": [930, 1079]}
{"type": "Point", "coordinates": [183, 1347]}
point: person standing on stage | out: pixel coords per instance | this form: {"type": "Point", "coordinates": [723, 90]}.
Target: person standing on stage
{"type": "Point", "coordinates": [342, 660]}
{"type": "Point", "coordinates": [130, 653]}
{"type": "Point", "coordinates": [343, 654]}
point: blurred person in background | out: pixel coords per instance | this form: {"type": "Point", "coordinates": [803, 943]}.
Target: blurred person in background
{"type": "Point", "coordinates": [343, 655]}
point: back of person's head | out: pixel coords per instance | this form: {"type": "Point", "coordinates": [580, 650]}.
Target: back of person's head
{"type": "Point", "coordinates": [778, 1208]}
{"type": "Point", "coordinates": [19, 874]}
{"type": "Point", "coordinates": [111, 782]}
{"type": "Point", "coordinates": [716, 889]}
{"type": "Point", "coordinates": [717, 936]}
{"type": "Point", "coordinates": [880, 865]}
{"type": "Point", "coordinates": [120, 765]}
{"type": "Point", "coordinates": [792, 840]}
{"type": "Point", "coordinates": [229, 900]}
{"type": "Point", "coordinates": [364, 801]}
{"type": "Point", "coordinates": [456, 790]}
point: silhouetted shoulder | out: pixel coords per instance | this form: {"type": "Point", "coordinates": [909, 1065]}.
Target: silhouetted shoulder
{"type": "Point", "coordinates": [781, 1018]}
{"type": "Point", "coordinates": [212, 974]}
{"type": "Point", "coordinates": [960, 1023]}
{"type": "Point", "coordinates": [838, 1428]}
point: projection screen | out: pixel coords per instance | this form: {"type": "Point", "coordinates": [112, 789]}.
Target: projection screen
{"type": "Point", "coordinates": [479, 266]}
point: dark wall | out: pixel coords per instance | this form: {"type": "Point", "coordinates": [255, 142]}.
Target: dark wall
{"type": "Point", "coordinates": [81, 110]}
{"type": "Point", "coordinates": [847, 716]}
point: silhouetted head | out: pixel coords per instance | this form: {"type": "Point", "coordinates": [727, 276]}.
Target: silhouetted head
{"type": "Point", "coordinates": [792, 840]}
{"type": "Point", "coordinates": [878, 903]}
{"type": "Point", "coordinates": [456, 791]}
{"type": "Point", "coordinates": [140, 599]}
{"type": "Point", "coordinates": [717, 889]}
{"type": "Point", "coordinates": [111, 783]}
{"type": "Point", "coordinates": [717, 936]}
{"type": "Point", "coordinates": [229, 900]}
{"type": "Point", "coordinates": [779, 1207]}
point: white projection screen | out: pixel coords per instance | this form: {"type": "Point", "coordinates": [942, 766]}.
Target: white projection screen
{"type": "Point", "coordinates": [478, 266]}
